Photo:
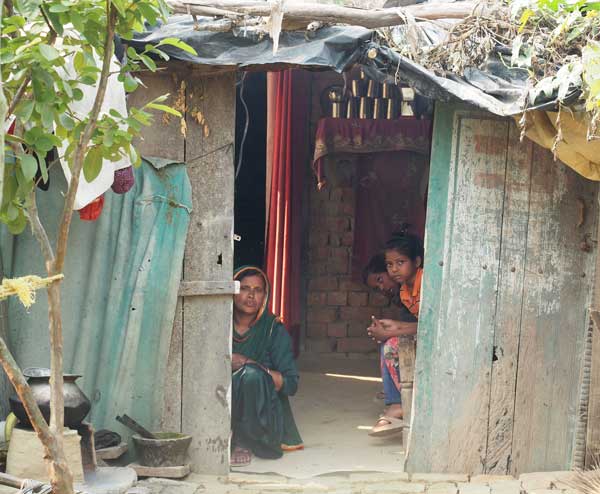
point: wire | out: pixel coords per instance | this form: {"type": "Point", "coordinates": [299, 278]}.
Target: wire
{"type": "Point", "coordinates": [241, 155]}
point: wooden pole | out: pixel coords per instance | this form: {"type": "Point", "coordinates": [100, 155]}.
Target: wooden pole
{"type": "Point", "coordinates": [302, 14]}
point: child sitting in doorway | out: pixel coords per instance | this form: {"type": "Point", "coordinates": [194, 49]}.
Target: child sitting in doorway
{"type": "Point", "coordinates": [403, 256]}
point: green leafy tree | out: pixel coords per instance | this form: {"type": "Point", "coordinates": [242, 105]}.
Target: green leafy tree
{"type": "Point", "coordinates": [40, 40]}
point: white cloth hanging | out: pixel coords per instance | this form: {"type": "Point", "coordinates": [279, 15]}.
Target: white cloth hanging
{"type": "Point", "coordinates": [114, 99]}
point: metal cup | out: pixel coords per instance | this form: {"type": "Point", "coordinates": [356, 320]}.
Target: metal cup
{"type": "Point", "coordinates": [365, 109]}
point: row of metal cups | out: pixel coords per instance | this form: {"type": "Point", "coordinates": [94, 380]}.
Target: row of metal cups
{"type": "Point", "coordinates": [365, 107]}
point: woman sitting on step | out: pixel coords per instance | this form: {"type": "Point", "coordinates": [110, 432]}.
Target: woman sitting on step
{"type": "Point", "coordinates": [264, 375]}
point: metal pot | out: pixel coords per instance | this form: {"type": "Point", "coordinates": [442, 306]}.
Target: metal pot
{"type": "Point", "coordinates": [77, 405]}
{"type": "Point", "coordinates": [169, 449]}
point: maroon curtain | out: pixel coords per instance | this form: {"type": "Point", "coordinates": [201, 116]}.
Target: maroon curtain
{"type": "Point", "coordinates": [287, 155]}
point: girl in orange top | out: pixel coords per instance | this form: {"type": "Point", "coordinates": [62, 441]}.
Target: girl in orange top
{"type": "Point", "coordinates": [404, 261]}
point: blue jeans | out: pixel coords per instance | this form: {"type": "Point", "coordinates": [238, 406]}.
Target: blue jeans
{"type": "Point", "coordinates": [391, 392]}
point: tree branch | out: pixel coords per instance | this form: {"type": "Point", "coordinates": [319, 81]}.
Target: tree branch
{"type": "Point", "coordinates": [84, 139]}
{"type": "Point", "coordinates": [302, 14]}
{"type": "Point", "coordinates": [38, 230]}
{"type": "Point", "coordinates": [18, 95]}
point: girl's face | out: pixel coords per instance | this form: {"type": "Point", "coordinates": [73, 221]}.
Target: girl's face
{"type": "Point", "coordinates": [382, 283]}
{"type": "Point", "coordinates": [400, 267]}
{"type": "Point", "coordinates": [252, 295]}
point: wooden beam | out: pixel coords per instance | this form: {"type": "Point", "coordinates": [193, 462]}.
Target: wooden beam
{"type": "Point", "coordinates": [198, 288]}
{"type": "Point", "coordinates": [303, 14]}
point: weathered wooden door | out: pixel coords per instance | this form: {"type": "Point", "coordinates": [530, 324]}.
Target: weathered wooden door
{"type": "Point", "coordinates": [197, 388]}
{"type": "Point", "coordinates": [508, 274]}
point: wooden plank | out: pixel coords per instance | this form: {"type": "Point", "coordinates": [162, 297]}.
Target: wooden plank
{"type": "Point", "coordinates": [417, 447]}
{"type": "Point", "coordinates": [508, 311]}
{"type": "Point", "coordinates": [557, 288]}
{"type": "Point", "coordinates": [209, 256]}
{"type": "Point", "coordinates": [592, 441]}
{"type": "Point", "coordinates": [450, 419]}
{"type": "Point", "coordinates": [197, 288]}
{"type": "Point", "coordinates": [163, 139]}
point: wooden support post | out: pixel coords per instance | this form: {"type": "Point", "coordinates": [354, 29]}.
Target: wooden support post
{"type": "Point", "coordinates": [406, 362]}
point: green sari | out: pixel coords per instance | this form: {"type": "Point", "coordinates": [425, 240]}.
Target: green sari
{"type": "Point", "coordinates": [261, 418]}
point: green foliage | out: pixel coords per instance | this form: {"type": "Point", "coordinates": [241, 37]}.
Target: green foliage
{"type": "Point", "coordinates": [50, 47]}
{"type": "Point", "coordinates": [557, 43]}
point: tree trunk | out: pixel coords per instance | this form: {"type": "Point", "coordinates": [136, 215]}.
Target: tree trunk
{"type": "Point", "coordinates": [60, 474]}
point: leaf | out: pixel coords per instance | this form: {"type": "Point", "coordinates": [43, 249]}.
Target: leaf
{"type": "Point", "coordinates": [42, 167]}
{"type": "Point", "coordinates": [24, 110]}
{"type": "Point", "coordinates": [165, 108]}
{"type": "Point", "coordinates": [28, 166]}
{"type": "Point", "coordinates": [148, 62]}
{"type": "Point", "coordinates": [92, 164]}
{"type": "Point", "coordinates": [136, 159]}
{"type": "Point", "coordinates": [527, 14]}
{"type": "Point", "coordinates": [58, 7]}
{"type": "Point", "coordinates": [177, 43]}
{"type": "Point", "coordinates": [130, 83]}
{"type": "Point", "coordinates": [48, 52]}
{"type": "Point", "coordinates": [66, 121]}
{"type": "Point", "coordinates": [16, 227]}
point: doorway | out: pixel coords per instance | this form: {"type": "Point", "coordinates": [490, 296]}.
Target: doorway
{"type": "Point", "coordinates": [339, 397]}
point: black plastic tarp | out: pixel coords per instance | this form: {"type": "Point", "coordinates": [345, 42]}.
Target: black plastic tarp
{"type": "Point", "coordinates": [494, 87]}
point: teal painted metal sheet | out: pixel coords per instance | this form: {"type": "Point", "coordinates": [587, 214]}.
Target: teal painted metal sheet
{"type": "Point", "coordinates": [119, 294]}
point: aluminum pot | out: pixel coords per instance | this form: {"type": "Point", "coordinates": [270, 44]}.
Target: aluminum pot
{"type": "Point", "coordinates": [77, 405]}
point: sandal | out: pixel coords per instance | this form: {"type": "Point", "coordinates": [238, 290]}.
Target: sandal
{"type": "Point", "coordinates": [240, 457]}
{"type": "Point", "coordinates": [387, 426]}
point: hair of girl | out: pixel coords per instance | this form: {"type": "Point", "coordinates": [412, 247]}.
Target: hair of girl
{"type": "Point", "coordinates": [375, 265]}
{"type": "Point", "coordinates": [407, 245]}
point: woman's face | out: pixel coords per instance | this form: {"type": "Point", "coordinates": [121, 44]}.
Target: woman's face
{"type": "Point", "coordinates": [382, 283]}
{"type": "Point", "coordinates": [252, 295]}
{"type": "Point", "coordinates": [400, 267]}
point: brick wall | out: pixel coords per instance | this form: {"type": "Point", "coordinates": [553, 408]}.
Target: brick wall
{"type": "Point", "coordinates": [338, 308]}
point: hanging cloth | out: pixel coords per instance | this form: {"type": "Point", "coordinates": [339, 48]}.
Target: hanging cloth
{"type": "Point", "coordinates": [287, 110]}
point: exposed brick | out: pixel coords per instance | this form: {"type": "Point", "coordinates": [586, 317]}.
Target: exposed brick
{"type": "Point", "coordinates": [358, 328]}
{"type": "Point", "coordinates": [362, 314]}
{"type": "Point", "coordinates": [337, 329]}
{"type": "Point", "coordinates": [349, 285]}
{"type": "Point", "coordinates": [338, 265]}
{"type": "Point", "coordinates": [338, 225]}
{"type": "Point", "coordinates": [347, 208]}
{"type": "Point", "coordinates": [347, 239]}
{"type": "Point", "coordinates": [323, 283]}
{"type": "Point", "coordinates": [356, 345]}
{"type": "Point", "coordinates": [432, 478]}
{"type": "Point", "coordinates": [358, 299]}
{"type": "Point", "coordinates": [321, 314]}
{"type": "Point", "coordinates": [377, 299]}
{"type": "Point", "coordinates": [318, 239]}
{"type": "Point", "coordinates": [488, 479]}
{"type": "Point", "coordinates": [317, 298]}
{"type": "Point", "coordinates": [537, 480]}
{"type": "Point", "coordinates": [337, 298]}
{"type": "Point", "coordinates": [327, 345]}
{"type": "Point", "coordinates": [317, 330]}
{"type": "Point", "coordinates": [317, 268]}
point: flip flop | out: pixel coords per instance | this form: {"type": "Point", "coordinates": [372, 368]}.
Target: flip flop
{"type": "Point", "coordinates": [387, 426]}
{"type": "Point", "coordinates": [240, 457]}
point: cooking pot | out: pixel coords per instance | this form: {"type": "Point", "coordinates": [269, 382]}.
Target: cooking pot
{"type": "Point", "coordinates": [77, 405]}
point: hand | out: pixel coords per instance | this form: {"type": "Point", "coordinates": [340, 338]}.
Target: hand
{"type": "Point", "coordinates": [238, 361]}
{"type": "Point", "coordinates": [377, 331]}
{"type": "Point", "coordinates": [277, 379]}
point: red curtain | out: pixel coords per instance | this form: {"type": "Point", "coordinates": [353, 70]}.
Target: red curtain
{"type": "Point", "coordinates": [287, 157]}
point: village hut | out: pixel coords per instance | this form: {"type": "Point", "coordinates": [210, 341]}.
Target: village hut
{"type": "Point", "coordinates": [507, 363]}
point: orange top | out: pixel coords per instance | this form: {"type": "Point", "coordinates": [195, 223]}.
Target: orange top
{"type": "Point", "coordinates": [412, 301]}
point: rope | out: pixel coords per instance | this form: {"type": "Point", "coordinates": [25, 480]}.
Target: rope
{"type": "Point", "coordinates": [25, 287]}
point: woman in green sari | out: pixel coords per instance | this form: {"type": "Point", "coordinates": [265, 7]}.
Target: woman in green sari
{"type": "Point", "coordinates": [264, 375]}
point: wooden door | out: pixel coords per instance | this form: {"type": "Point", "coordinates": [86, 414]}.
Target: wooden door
{"type": "Point", "coordinates": [504, 310]}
